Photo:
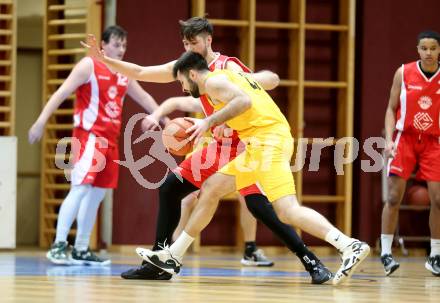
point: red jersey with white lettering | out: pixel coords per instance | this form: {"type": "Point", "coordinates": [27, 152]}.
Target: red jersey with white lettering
{"type": "Point", "coordinates": [417, 143]}
{"type": "Point", "coordinates": [98, 105]}
{"type": "Point", "coordinates": [419, 107]}
{"type": "Point", "coordinates": [200, 165]}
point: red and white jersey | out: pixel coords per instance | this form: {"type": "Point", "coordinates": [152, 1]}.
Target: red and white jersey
{"type": "Point", "coordinates": [98, 105]}
{"type": "Point", "coordinates": [419, 107]}
{"type": "Point", "coordinates": [220, 62]}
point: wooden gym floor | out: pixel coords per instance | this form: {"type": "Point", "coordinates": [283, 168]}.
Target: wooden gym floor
{"type": "Point", "coordinates": [26, 276]}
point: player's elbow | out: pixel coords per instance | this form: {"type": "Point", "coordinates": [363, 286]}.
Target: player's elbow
{"type": "Point", "coordinates": [270, 80]}
{"type": "Point", "coordinates": [274, 80]}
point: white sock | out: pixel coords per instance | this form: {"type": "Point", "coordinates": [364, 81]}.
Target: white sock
{"type": "Point", "coordinates": [435, 247]}
{"type": "Point", "coordinates": [386, 241]}
{"type": "Point", "coordinates": [87, 216]}
{"type": "Point", "coordinates": [182, 243]}
{"type": "Point", "coordinates": [336, 238]}
{"type": "Point", "coordinates": [69, 210]}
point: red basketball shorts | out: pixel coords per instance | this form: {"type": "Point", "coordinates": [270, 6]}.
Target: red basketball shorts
{"type": "Point", "coordinates": [414, 150]}
{"type": "Point", "coordinates": [94, 161]}
{"type": "Point", "coordinates": [201, 164]}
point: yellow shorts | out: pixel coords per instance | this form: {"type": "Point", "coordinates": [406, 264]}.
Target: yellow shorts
{"type": "Point", "coordinates": [267, 165]}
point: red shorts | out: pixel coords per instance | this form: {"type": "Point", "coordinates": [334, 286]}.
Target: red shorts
{"type": "Point", "coordinates": [94, 161]}
{"type": "Point", "coordinates": [415, 149]}
{"type": "Point", "coordinates": [200, 165]}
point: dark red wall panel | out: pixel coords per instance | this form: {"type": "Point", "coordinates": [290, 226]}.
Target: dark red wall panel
{"type": "Point", "coordinates": [153, 38]}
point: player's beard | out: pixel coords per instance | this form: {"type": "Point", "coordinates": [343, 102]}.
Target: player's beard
{"type": "Point", "coordinates": [194, 89]}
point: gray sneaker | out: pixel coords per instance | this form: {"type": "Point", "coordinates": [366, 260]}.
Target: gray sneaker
{"type": "Point", "coordinates": [87, 257]}
{"type": "Point", "coordinates": [389, 264]}
{"type": "Point", "coordinates": [433, 265]}
{"type": "Point", "coordinates": [58, 253]}
{"type": "Point", "coordinates": [256, 259]}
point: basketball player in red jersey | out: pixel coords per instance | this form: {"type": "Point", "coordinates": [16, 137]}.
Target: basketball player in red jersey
{"type": "Point", "coordinates": [197, 36]}
{"type": "Point", "coordinates": [412, 133]}
{"type": "Point", "coordinates": [100, 92]}
{"type": "Point", "coordinates": [252, 256]}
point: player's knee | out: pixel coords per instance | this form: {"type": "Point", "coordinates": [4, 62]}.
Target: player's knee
{"type": "Point", "coordinates": [283, 217]}
{"type": "Point", "coordinates": [394, 198]}
{"type": "Point", "coordinates": [286, 215]}
{"type": "Point", "coordinates": [291, 215]}
{"type": "Point", "coordinates": [212, 188]}
{"type": "Point", "coordinates": [189, 201]}
{"type": "Point", "coordinates": [435, 199]}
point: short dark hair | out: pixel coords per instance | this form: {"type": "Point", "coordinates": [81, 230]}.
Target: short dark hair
{"type": "Point", "coordinates": [195, 26]}
{"type": "Point", "coordinates": [429, 35]}
{"type": "Point", "coordinates": [115, 31]}
{"type": "Point", "coordinates": [189, 60]}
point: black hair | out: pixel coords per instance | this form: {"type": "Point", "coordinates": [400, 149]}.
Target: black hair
{"type": "Point", "coordinates": [189, 60]}
{"type": "Point", "coordinates": [428, 35]}
{"type": "Point", "coordinates": [195, 26]}
{"type": "Point", "coordinates": [115, 31]}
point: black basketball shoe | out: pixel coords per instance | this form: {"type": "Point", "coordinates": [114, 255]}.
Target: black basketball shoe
{"type": "Point", "coordinates": [163, 259]}
{"type": "Point", "coordinates": [320, 274]}
{"type": "Point", "coordinates": [146, 271]}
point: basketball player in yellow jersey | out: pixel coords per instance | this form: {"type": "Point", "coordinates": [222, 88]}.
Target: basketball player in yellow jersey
{"type": "Point", "coordinates": [266, 133]}
{"type": "Point", "coordinates": [246, 108]}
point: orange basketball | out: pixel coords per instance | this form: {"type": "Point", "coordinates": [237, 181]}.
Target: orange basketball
{"type": "Point", "coordinates": [175, 138]}
{"type": "Point", "coordinates": [417, 195]}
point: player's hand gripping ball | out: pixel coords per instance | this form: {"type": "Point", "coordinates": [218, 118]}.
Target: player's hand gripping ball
{"type": "Point", "coordinates": [175, 138]}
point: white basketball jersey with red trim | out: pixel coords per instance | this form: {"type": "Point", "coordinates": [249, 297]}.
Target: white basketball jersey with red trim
{"type": "Point", "coordinates": [98, 105]}
{"type": "Point", "coordinates": [419, 106]}
{"type": "Point", "coordinates": [220, 62]}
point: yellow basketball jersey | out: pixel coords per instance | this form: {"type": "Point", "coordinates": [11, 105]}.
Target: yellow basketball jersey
{"type": "Point", "coordinates": [263, 117]}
